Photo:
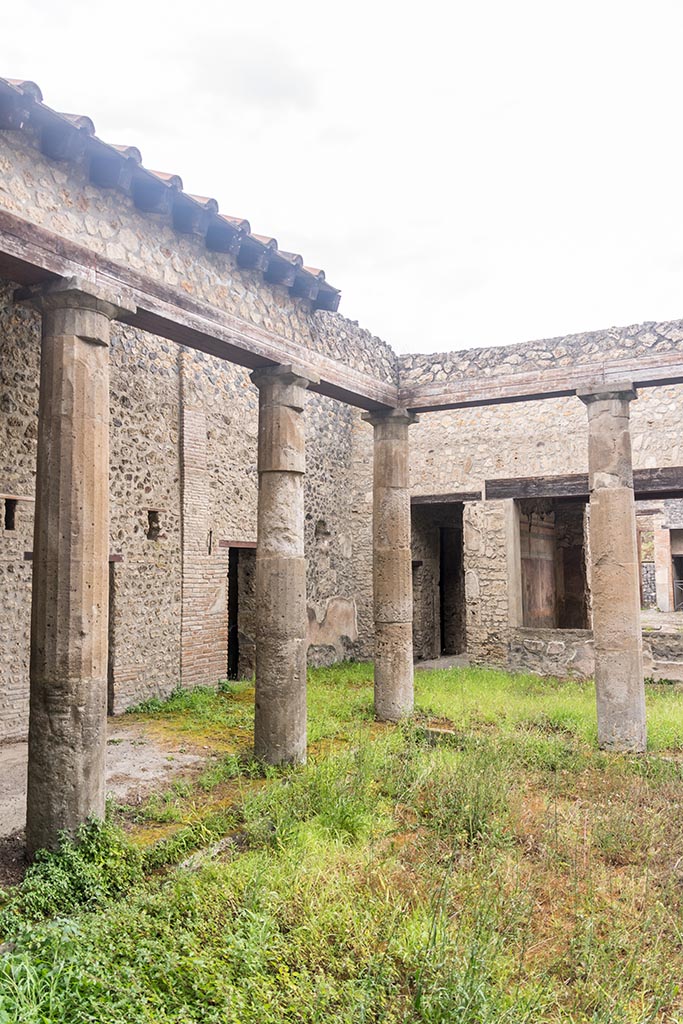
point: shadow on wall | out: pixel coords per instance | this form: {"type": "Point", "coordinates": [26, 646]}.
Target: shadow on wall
{"type": "Point", "coordinates": [326, 637]}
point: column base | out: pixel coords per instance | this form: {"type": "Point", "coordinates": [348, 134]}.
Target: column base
{"type": "Point", "coordinates": [280, 719]}
{"type": "Point", "coordinates": [394, 693]}
{"type": "Point", "coordinates": [621, 701]}
{"type": "Point", "coordinates": [67, 750]}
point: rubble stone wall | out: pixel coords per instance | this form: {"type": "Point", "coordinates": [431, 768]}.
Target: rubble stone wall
{"type": "Point", "coordinates": [585, 349]}
{"type": "Point", "coordinates": [486, 552]}
{"type": "Point", "coordinates": [183, 485]}
{"type": "Point", "coordinates": [459, 449]}
{"type": "Point", "coordinates": [649, 584]}
{"type": "Point", "coordinates": [564, 654]}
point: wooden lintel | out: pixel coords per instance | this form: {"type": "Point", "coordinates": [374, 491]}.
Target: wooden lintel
{"type": "Point", "coordinates": [663, 482]}
{"type": "Point", "coordinates": [251, 544]}
{"type": "Point", "coordinates": [445, 499]}
{"type": "Point", "coordinates": [645, 371]}
{"type": "Point", "coordinates": [28, 251]}
{"type": "Point", "coordinates": [570, 485]}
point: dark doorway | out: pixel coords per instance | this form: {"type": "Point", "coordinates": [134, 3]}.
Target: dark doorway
{"type": "Point", "coordinates": [452, 589]}
{"type": "Point", "coordinates": [233, 613]}
{"type": "Point", "coordinates": [438, 579]}
{"type": "Point", "coordinates": [241, 611]}
{"type": "Point", "coordinates": [678, 582]}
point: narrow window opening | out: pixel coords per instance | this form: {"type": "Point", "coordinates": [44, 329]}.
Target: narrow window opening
{"type": "Point", "coordinates": [10, 513]}
{"type": "Point", "coordinates": [153, 525]}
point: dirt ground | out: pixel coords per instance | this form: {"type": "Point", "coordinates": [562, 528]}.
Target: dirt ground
{"type": "Point", "coordinates": [137, 764]}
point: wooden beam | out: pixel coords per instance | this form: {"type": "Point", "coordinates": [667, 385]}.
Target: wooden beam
{"type": "Point", "coordinates": [29, 254]}
{"type": "Point", "coordinates": [664, 482]}
{"type": "Point", "coordinates": [646, 371]}
{"type": "Point", "coordinates": [574, 485]}
{"type": "Point", "coordinates": [445, 499]}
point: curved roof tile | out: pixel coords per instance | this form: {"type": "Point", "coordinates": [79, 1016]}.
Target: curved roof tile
{"type": "Point", "coordinates": [70, 136]}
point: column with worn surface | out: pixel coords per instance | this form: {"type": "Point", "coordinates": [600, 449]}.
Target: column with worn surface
{"type": "Point", "coordinates": [69, 617]}
{"type": "Point", "coordinates": [615, 571]}
{"type": "Point", "coordinates": [392, 565]}
{"type": "Point", "coordinates": [281, 618]}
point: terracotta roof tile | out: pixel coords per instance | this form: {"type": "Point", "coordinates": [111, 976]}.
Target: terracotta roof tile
{"type": "Point", "coordinates": [70, 136]}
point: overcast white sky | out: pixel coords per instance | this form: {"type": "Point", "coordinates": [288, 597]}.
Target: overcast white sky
{"type": "Point", "coordinates": [468, 173]}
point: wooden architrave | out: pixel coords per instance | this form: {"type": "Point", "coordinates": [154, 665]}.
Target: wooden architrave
{"type": "Point", "coordinates": [643, 372]}
{"type": "Point", "coordinates": [663, 482]}
{"type": "Point", "coordinates": [452, 498]}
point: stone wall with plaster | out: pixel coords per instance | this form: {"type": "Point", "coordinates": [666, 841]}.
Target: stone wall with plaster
{"type": "Point", "coordinates": [460, 449]}
{"type": "Point", "coordinates": [144, 655]}
{"type": "Point", "coordinates": [486, 532]}
{"type": "Point", "coordinates": [19, 368]}
{"type": "Point", "coordinates": [183, 486]}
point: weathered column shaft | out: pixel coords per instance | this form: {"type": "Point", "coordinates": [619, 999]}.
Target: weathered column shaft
{"type": "Point", "coordinates": [392, 565]}
{"type": "Point", "coordinates": [615, 571]}
{"type": "Point", "coordinates": [69, 618]}
{"type": "Point", "coordinates": [281, 615]}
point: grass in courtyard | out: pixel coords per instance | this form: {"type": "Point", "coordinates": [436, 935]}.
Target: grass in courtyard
{"type": "Point", "coordinates": [505, 872]}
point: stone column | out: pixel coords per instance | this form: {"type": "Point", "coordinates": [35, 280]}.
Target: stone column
{"type": "Point", "coordinates": [281, 614]}
{"type": "Point", "coordinates": [69, 616]}
{"type": "Point", "coordinates": [392, 565]}
{"type": "Point", "coordinates": [615, 572]}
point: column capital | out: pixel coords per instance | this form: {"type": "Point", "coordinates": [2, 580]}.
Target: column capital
{"type": "Point", "coordinates": [283, 374]}
{"type": "Point", "coordinates": [78, 293]}
{"type": "Point", "coordinates": [399, 416]}
{"type": "Point", "coordinates": [622, 391]}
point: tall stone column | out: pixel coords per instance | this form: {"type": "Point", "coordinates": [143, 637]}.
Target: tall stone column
{"type": "Point", "coordinates": [281, 614]}
{"type": "Point", "coordinates": [69, 617]}
{"type": "Point", "coordinates": [615, 572]}
{"type": "Point", "coordinates": [392, 565]}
